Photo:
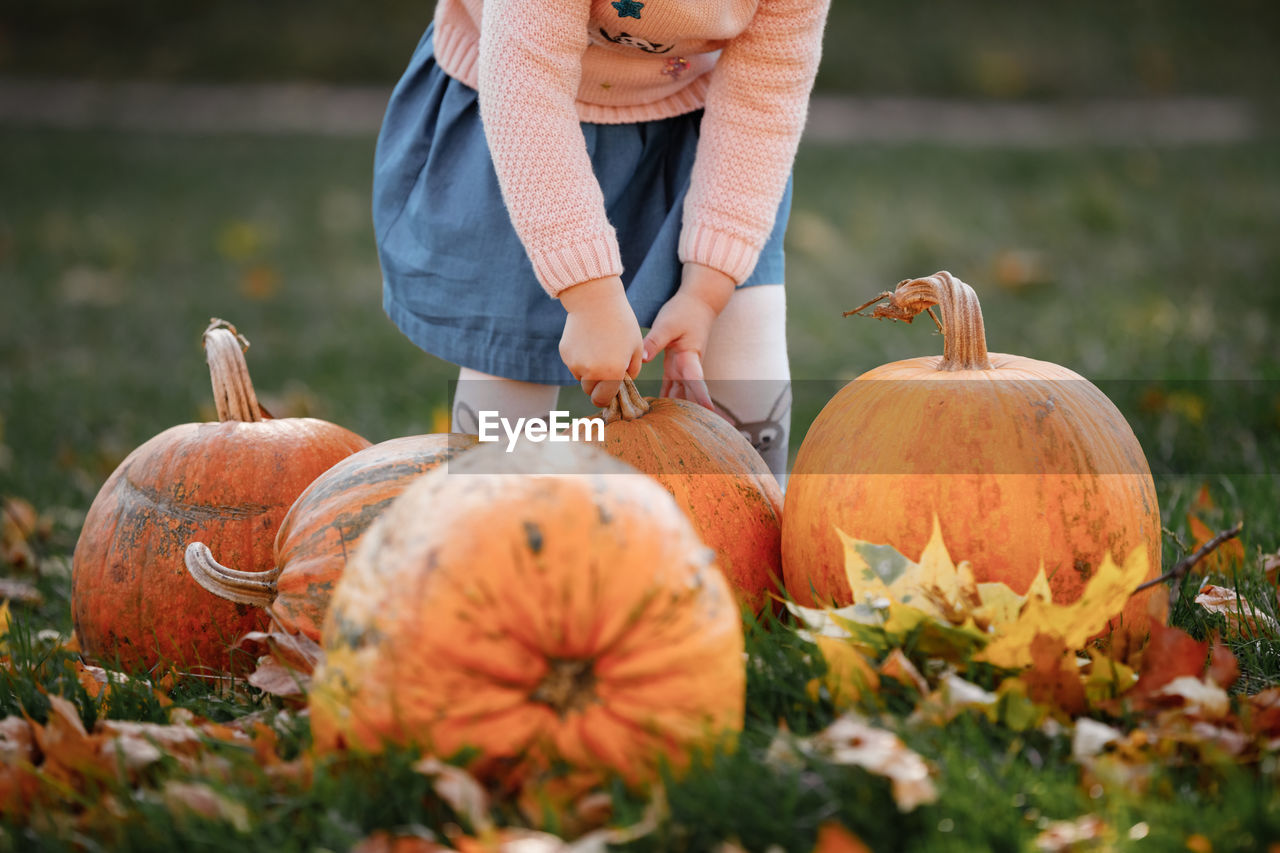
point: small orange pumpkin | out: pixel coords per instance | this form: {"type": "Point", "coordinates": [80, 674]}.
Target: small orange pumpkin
{"type": "Point", "coordinates": [227, 483]}
{"type": "Point", "coordinates": [1024, 463]}
{"type": "Point", "coordinates": [324, 525]}
{"type": "Point", "coordinates": [715, 475]}
{"type": "Point", "coordinates": [548, 607]}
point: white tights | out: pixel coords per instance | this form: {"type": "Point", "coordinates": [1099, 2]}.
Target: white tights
{"type": "Point", "coordinates": [746, 366]}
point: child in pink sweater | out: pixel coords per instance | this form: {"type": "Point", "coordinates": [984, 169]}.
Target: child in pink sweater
{"type": "Point", "coordinates": [552, 177]}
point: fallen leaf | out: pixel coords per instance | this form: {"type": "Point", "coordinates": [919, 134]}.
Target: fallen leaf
{"type": "Point", "coordinates": [851, 741]}
{"type": "Point", "coordinates": [272, 677]}
{"type": "Point", "coordinates": [1107, 678]}
{"type": "Point", "coordinates": [1103, 598]}
{"type": "Point", "coordinates": [900, 668]}
{"type": "Point", "coordinates": [1199, 697]}
{"type": "Point", "coordinates": [200, 799]}
{"type": "Point", "coordinates": [383, 841]}
{"type": "Point", "coordinates": [1224, 669]}
{"type": "Point", "coordinates": [1053, 678]}
{"type": "Point", "coordinates": [1067, 835]}
{"type": "Point", "coordinates": [1170, 653]}
{"type": "Point", "coordinates": [1241, 614]}
{"type": "Point", "coordinates": [460, 790]}
{"type": "Point", "coordinates": [70, 752]}
{"type": "Point", "coordinates": [1091, 737]}
{"type": "Point", "coordinates": [17, 741]}
{"type": "Point", "coordinates": [1222, 560]}
{"type": "Point", "coordinates": [295, 650]}
{"type": "Point", "coordinates": [849, 676]}
{"type": "Point", "coordinates": [20, 591]}
{"type": "Point", "coordinates": [834, 838]}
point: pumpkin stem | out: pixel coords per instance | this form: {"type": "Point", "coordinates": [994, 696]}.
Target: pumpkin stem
{"type": "Point", "coordinates": [628, 405]}
{"type": "Point", "coordinates": [964, 339]}
{"type": "Point", "coordinates": [241, 587]}
{"type": "Point", "coordinates": [233, 392]}
{"type": "Point", "coordinates": [568, 686]}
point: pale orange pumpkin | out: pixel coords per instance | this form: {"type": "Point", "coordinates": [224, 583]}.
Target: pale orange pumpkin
{"type": "Point", "coordinates": [1024, 463]}
{"type": "Point", "coordinates": [545, 607]}
{"type": "Point", "coordinates": [322, 529]}
{"type": "Point", "coordinates": [715, 475]}
{"type": "Point", "coordinates": [227, 483]}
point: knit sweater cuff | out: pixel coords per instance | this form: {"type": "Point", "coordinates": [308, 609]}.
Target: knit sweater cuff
{"type": "Point", "coordinates": [732, 255]}
{"type": "Point", "coordinates": [560, 269]}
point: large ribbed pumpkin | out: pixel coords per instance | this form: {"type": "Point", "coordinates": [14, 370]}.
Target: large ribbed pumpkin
{"type": "Point", "coordinates": [550, 607]}
{"type": "Point", "coordinates": [227, 483]}
{"type": "Point", "coordinates": [322, 529]}
{"type": "Point", "coordinates": [1024, 463]}
{"type": "Point", "coordinates": [715, 475]}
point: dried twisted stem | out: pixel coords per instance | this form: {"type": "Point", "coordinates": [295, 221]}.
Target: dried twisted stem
{"type": "Point", "coordinates": [233, 393]}
{"type": "Point", "coordinates": [241, 587]}
{"type": "Point", "coordinates": [628, 405]}
{"type": "Point", "coordinates": [964, 337]}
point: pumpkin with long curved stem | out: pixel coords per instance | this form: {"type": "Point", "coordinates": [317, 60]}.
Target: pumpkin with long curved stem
{"type": "Point", "coordinates": [545, 607]}
{"type": "Point", "coordinates": [1025, 464]}
{"type": "Point", "coordinates": [715, 475]}
{"type": "Point", "coordinates": [322, 529]}
{"type": "Point", "coordinates": [227, 483]}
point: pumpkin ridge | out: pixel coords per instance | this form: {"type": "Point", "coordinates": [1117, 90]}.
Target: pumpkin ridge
{"type": "Point", "coordinates": [178, 507]}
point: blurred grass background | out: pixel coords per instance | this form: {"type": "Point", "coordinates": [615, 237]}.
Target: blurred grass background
{"type": "Point", "coordinates": [988, 48]}
{"type": "Point", "coordinates": [1151, 267]}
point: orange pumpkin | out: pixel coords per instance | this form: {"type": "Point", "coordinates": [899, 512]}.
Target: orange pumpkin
{"type": "Point", "coordinates": [548, 607]}
{"type": "Point", "coordinates": [320, 532]}
{"type": "Point", "coordinates": [227, 483]}
{"type": "Point", "coordinates": [1023, 462]}
{"type": "Point", "coordinates": [715, 475]}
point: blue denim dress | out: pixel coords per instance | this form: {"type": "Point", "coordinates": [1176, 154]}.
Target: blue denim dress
{"type": "Point", "coordinates": [456, 279]}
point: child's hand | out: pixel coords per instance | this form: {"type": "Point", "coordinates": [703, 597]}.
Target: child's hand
{"type": "Point", "coordinates": [601, 339]}
{"type": "Point", "coordinates": [682, 327]}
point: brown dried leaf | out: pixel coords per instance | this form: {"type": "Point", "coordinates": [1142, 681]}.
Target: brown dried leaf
{"type": "Point", "coordinates": [202, 800]}
{"type": "Point", "coordinates": [460, 790]}
{"type": "Point", "coordinates": [1241, 614]}
{"type": "Point", "coordinates": [1171, 653]}
{"type": "Point", "coordinates": [1067, 835]}
{"type": "Point", "coordinates": [173, 739]}
{"type": "Point", "coordinates": [834, 838]}
{"type": "Point", "coordinates": [296, 651]}
{"type": "Point", "coordinates": [1271, 567]}
{"type": "Point", "coordinates": [1223, 559]}
{"type": "Point", "coordinates": [17, 741]}
{"type": "Point", "coordinates": [20, 591]}
{"type": "Point", "coordinates": [900, 668]}
{"type": "Point", "coordinates": [1224, 669]}
{"type": "Point", "coordinates": [279, 680]}
{"type": "Point", "coordinates": [851, 741]}
{"type": "Point", "coordinates": [1054, 677]}
{"type": "Point", "coordinates": [382, 841]}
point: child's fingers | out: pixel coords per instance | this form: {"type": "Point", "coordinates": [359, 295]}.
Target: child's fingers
{"type": "Point", "coordinates": [604, 392]}
{"type": "Point", "coordinates": [656, 341]}
{"type": "Point", "coordinates": [637, 360]}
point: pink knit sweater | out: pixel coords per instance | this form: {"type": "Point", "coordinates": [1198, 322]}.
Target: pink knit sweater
{"type": "Point", "coordinates": [541, 68]}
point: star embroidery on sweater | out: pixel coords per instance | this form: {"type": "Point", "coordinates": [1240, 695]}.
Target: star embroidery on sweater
{"type": "Point", "coordinates": [628, 8]}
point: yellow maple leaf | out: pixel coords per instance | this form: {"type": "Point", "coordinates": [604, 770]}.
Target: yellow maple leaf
{"type": "Point", "coordinates": [1103, 599]}
{"type": "Point", "coordinates": [849, 673]}
{"type": "Point", "coordinates": [935, 585]}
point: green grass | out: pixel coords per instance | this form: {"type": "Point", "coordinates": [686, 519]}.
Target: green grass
{"type": "Point", "coordinates": [988, 48]}
{"type": "Point", "coordinates": [1141, 268]}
